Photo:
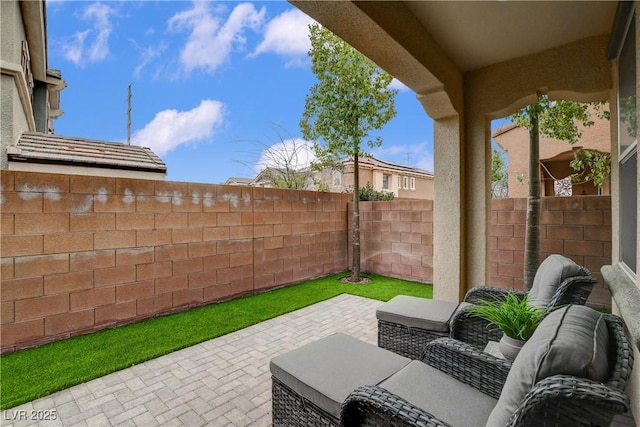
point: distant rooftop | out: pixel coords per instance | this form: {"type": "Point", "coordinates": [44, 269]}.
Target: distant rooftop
{"type": "Point", "coordinates": [234, 180]}
{"type": "Point", "coordinates": [373, 162]}
{"type": "Point", "coordinates": [35, 147]}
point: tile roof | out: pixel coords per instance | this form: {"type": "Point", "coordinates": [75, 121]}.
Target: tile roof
{"type": "Point", "coordinates": [38, 147]}
{"type": "Point", "coordinates": [234, 180]}
{"type": "Point", "coordinates": [372, 162]}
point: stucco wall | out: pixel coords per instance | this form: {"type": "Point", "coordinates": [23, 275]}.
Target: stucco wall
{"type": "Point", "coordinates": [12, 31]}
{"type": "Point", "coordinates": [14, 119]}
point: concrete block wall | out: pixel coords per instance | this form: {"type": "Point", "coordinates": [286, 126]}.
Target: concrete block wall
{"type": "Point", "coordinates": [80, 253]}
{"type": "Point", "coordinates": [578, 227]}
{"type": "Point", "coordinates": [84, 253]}
{"type": "Point", "coordinates": [397, 239]}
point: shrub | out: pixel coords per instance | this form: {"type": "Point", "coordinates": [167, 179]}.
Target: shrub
{"type": "Point", "coordinates": [368, 194]}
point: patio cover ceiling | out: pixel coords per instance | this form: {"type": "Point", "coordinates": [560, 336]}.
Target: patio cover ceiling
{"type": "Point", "coordinates": [476, 34]}
{"type": "Point", "coordinates": [431, 45]}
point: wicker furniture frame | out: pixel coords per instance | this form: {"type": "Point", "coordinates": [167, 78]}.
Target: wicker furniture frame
{"type": "Point", "coordinates": [411, 341]}
{"type": "Point", "coordinates": [556, 400]}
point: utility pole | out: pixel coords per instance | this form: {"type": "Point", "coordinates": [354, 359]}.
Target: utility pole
{"type": "Point", "coordinates": [129, 115]}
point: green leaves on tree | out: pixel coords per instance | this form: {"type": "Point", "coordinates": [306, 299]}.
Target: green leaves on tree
{"type": "Point", "coordinates": [591, 165]}
{"type": "Point", "coordinates": [351, 99]}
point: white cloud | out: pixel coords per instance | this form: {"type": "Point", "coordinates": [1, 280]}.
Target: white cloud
{"type": "Point", "coordinates": [297, 153]}
{"type": "Point", "coordinates": [148, 54]}
{"type": "Point", "coordinates": [287, 35]}
{"type": "Point", "coordinates": [210, 42]}
{"type": "Point", "coordinates": [73, 51]}
{"type": "Point", "coordinates": [97, 37]}
{"type": "Point", "coordinates": [171, 128]}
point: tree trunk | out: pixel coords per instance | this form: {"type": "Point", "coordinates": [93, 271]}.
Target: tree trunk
{"type": "Point", "coordinates": [532, 236]}
{"type": "Point", "coordinates": [355, 264]}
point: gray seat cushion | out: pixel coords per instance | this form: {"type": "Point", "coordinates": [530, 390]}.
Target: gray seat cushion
{"type": "Point", "coordinates": [554, 270]}
{"type": "Point", "coordinates": [572, 340]}
{"type": "Point", "coordinates": [414, 312]}
{"type": "Point", "coordinates": [327, 370]}
{"type": "Point", "coordinates": [448, 399]}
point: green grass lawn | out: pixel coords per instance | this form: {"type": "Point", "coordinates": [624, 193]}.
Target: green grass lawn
{"type": "Point", "coordinates": [29, 374]}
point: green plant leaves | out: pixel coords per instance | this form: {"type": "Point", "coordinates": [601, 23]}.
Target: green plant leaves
{"type": "Point", "coordinates": [512, 314]}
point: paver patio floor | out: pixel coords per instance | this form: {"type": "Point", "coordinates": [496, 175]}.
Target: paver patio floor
{"type": "Point", "coordinates": [221, 382]}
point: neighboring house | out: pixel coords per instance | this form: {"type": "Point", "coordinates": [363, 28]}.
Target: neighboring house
{"type": "Point", "coordinates": [555, 156]}
{"type": "Point", "coordinates": [403, 181]}
{"type": "Point", "coordinates": [264, 179]}
{"type": "Point", "coordinates": [30, 99]}
{"type": "Point", "coordinates": [39, 152]}
{"type": "Point", "coordinates": [238, 181]}
{"type": "Point", "coordinates": [471, 62]}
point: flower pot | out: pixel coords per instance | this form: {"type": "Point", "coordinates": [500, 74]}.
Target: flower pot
{"type": "Point", "coordinates": [510, 347]}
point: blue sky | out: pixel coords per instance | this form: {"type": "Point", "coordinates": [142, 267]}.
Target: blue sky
{"type": "Point", "coordinates": [214, 83]}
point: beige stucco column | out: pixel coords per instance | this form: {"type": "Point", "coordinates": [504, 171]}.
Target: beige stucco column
{"type": "Point", "coordinates": [477, 195]}
{"type": "Point", "coordinates": [448, 220]}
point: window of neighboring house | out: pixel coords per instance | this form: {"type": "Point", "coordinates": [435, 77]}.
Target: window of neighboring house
{"type": "Point", "coordinates": [412, 183]}
{"type": "Point", "coordinates": [385, 182]}
{"type": "Point", "coordinates": [399, 182]}
{"type": "Point", "coordinates": [628, 148]}
{"type": "Point", "coordinates": [405, 182]}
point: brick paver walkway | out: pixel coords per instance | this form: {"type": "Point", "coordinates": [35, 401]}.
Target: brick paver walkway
{"type": "Point", "coordinates": [221, 382]}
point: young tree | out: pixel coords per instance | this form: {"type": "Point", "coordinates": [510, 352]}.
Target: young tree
{"type": "Point", "coordinates": [554, 119]}
{"type": "Point", "coordinates": [286, 164]}
{"type": "Point", "coordinates": [351, 98]}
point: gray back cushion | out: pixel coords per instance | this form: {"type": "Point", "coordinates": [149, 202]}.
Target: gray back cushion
{"type": "Point", "coordinates": [572, 340]}
{"type": "Point", "coordinates": [550, 275]}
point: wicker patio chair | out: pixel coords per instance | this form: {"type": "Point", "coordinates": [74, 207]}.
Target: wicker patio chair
{"type": "Point", "coordinates": [406, 324]}
{"type": "Point", "coordinates": [455, 384]}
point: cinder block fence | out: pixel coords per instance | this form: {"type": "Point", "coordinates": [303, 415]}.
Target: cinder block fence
{"type": "Point", "coordinates": [397, 238]}
{"type": "Point", "coordinates": [577, 227]}
{"type": "Point", "coordinates": [81, 253]}
{"type": "Point", "coordinates": [85, 253]}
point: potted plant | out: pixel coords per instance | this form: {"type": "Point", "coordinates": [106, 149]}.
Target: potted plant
{"type": "Point", "coordinates": [514, 316]}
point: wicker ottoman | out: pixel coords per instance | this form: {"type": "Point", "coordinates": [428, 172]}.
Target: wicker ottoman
{"type": "Point", "coordinates": [406, 324]}
{"type": "Point", "coordinates": [310, 383]}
